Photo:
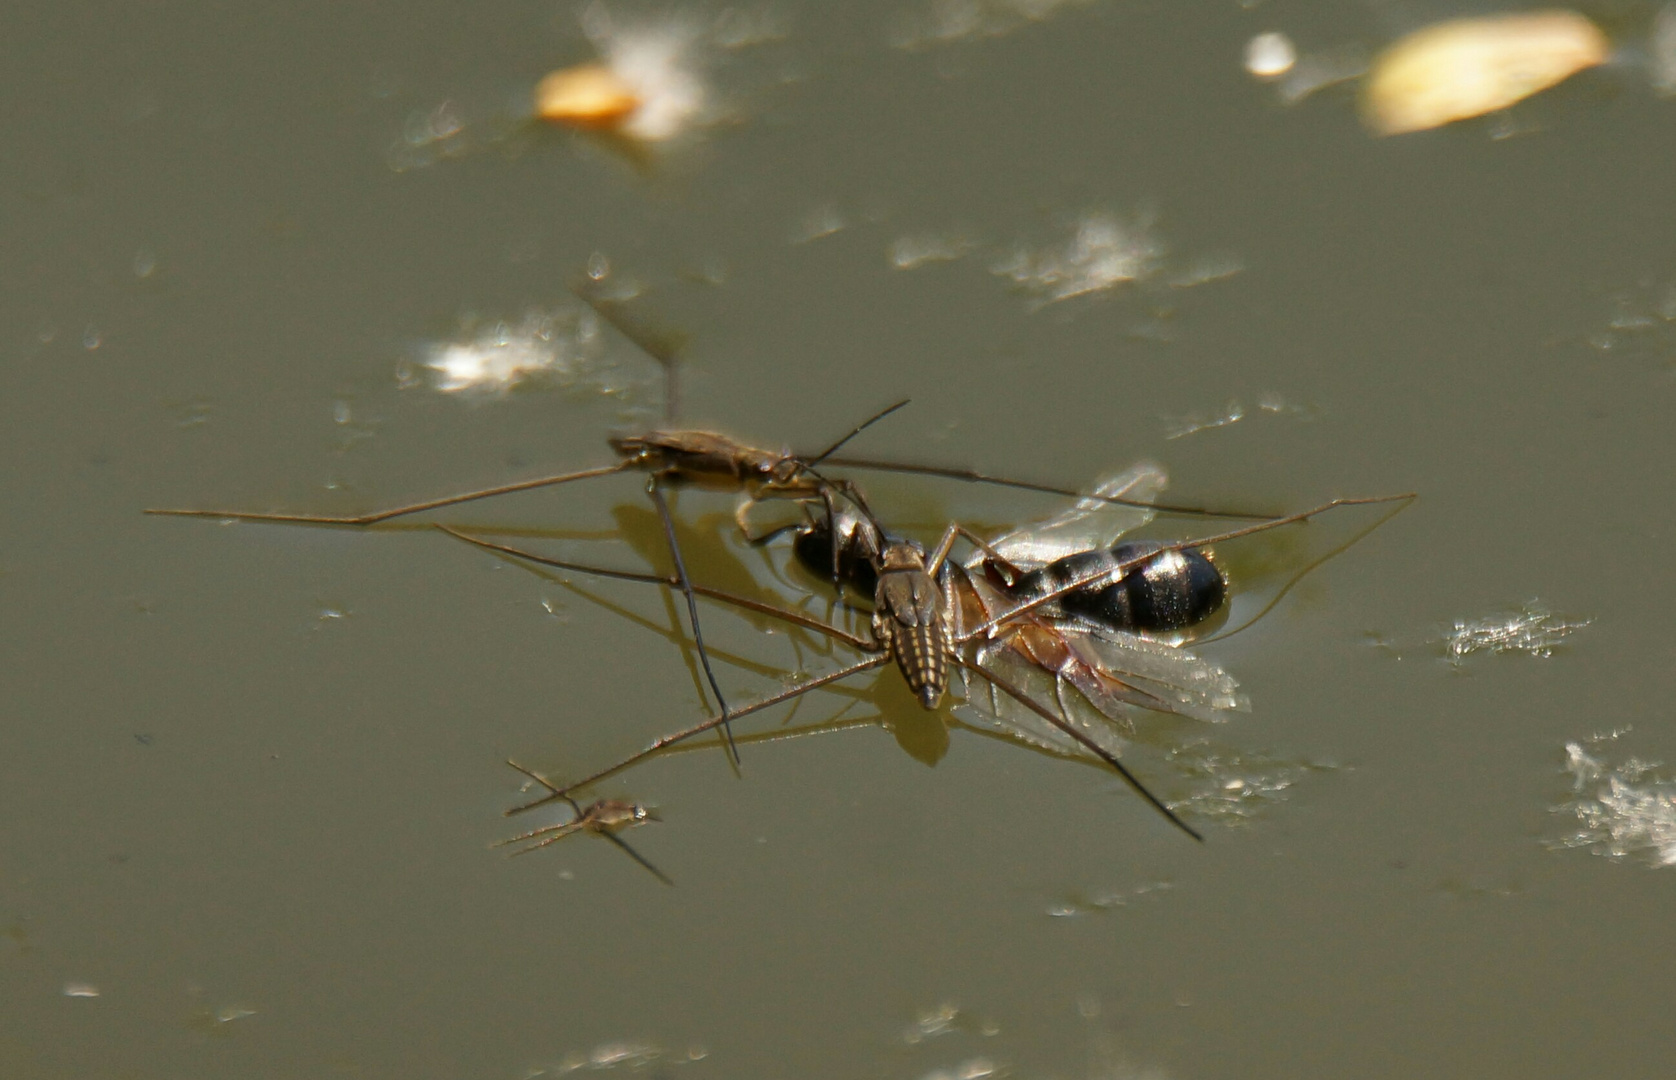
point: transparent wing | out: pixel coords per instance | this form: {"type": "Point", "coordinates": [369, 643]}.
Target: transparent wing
{"type": "Point", "coordinates": [989, 709]}
{"type": "Point", "coordinates": [1088, 524]}
{"type": "Point", "coordinates": [1113, 671]}
{"type": "Point", "coordinates": [1135, 670]}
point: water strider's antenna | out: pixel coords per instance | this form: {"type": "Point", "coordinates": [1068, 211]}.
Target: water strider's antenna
{"type": "Point", "coordinates": [857, 430]}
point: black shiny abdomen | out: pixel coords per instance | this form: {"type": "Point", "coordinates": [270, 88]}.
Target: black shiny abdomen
{"type": "Point", "coordinates": [813, 548]}
{"type": "Point", "coordinates": [1173, 590]}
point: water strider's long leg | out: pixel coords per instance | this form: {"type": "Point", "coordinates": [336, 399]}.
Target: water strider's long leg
{"type": "Point", "coordinates": [675, 637]}
{"type": "Point", "coordinates": [1070, 729]}
{"type": "Point", "coordinates": [550, 834]}
{"type": "Point", "coordinates": [1112, 573]}
{"type": "Point", "coordinates": [972, 476]}
{"type": "Point", "coordinates": [1309, 568]}
{"type": "Point", "coordinates": [637, 857]}
{"type": "Point", "coordinates": [787, 614]}
{"type": "Point", "coordinates": [413, 508]}
{"type": "Point", "coordinates": [685, 585]}
{"type": "Point", "coordinates": [698, 729]}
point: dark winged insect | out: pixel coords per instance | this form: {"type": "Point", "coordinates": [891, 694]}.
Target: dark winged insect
{"type": "Point", "coordinates": [932, 617]}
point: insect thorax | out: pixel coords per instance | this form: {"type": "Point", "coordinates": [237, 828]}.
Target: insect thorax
{"type": "Point", "coordinates": [911, 622]}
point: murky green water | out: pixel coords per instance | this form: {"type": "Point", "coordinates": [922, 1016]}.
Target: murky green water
{"type": "Point", "coordinates": [249, 774]}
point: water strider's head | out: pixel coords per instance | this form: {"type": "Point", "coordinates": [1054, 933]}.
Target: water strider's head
{"type": "Point", "coordinates": [900, 555]}
{"type": "Point", "coordinates": [787, 469]}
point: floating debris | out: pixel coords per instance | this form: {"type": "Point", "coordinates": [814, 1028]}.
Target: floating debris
{"type": "Point", "coordinates": [1269, 402]}
{"type": "Point", "coordinates": [1102, 252]}
{"type": "Point", "coordinates": [1624, 812]}
{"type": "Point", "coordinates": [80, 990]}
{"type": "Point", "coordinates": [1642, 323]}
{"type": "Point", "coordinates": [1468, 67]}
{"type": "Point", "coordinates": [915, 251]}
{"type": "Point", "coordinates": [646, 85]}
{"type": "Point", "coordinates": [972, 1069]}
{"type": "Point", "coordinates": [1176, 427]}
{"type": "Point", "coordinates": [946, 22]}
{"type": "Point", "coordinates": [1077, 905]}
{"type": "Point", "coordinates": [1231, 786]}
{"type": "Point", "coordinates": [1207, 270]}
{"type": "Point", "coordinates": [947, 1018]}
{"type": "Point", "coordinates": [1661, 48]}
{"type": "Point", "coordinates": [431, 135]}
{"type": "Point", "coordinates": [1318, 71]}
{"type": "Point", "coordinates": [822, 221]}
{"type": "Point", "coordinates": [586, 96]}
{"type": "Point", "coordinates": [1270, 55]}
{"type": "Point", "coordinates": [628, 1055]}
{"type": "Point", "coordinates": [562, 345]}
{"type": "Point", "coordinates": [1533, 630]}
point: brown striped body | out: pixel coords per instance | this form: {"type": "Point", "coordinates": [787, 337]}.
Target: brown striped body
{"type": "Point", "coordinates": [911, 621]}
{"type": "Point", "coordinates": [710, 460]}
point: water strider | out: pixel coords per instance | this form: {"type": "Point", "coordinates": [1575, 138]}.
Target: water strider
{"type": "Point", "coordinates": [602, 817]}
{"type": "Point", "coordinates": [672, 456]}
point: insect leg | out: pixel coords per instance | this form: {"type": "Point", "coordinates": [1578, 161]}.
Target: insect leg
{"type": "Point", "coordinates": [653, 489]}
{"type": "Point", "coordinates": [975, 477]}
{"type": "Point", "coordinates": [413, 508]}
{"type": "Point", "coordinates": [1070, 729]}
{"type": "Point", "coordinates": [698, 729]}
{"type": "Point", "coordinates": [636, 856]}
{"type": "Point", "coordinates": [745, 602]}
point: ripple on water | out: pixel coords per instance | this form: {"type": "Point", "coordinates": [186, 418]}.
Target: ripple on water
{"type": "Point", "coordinates": [930, 23]}
{"type": "Point", "coordinates": [1230, 786]}
{"type": "Point", "coordinates": [1532, 629]}
{"type": "Point", "coordinates": [1622, 811]}
{"type": "Point", "coordinates": [560, 347]}
{"type": "Point", "coordinates": [1102, 252]}
{"type": "Point", "coordinates": [626, 1055]}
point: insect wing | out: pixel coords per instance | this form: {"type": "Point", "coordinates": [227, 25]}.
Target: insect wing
{"type": "Point", "coordinates": [988, 709]}
{"type": "Point", "coordinates": [1134, 670]}
{"type": "Point", "coordinates": [1087, 525]}
{"type": "Point", "coordinates": [1113, 671]}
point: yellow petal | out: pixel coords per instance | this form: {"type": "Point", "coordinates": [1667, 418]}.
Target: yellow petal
{"type": "Point", "coordinates": [1468, 67]}
{"type": "Point", "coordinates": [588, 95]}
